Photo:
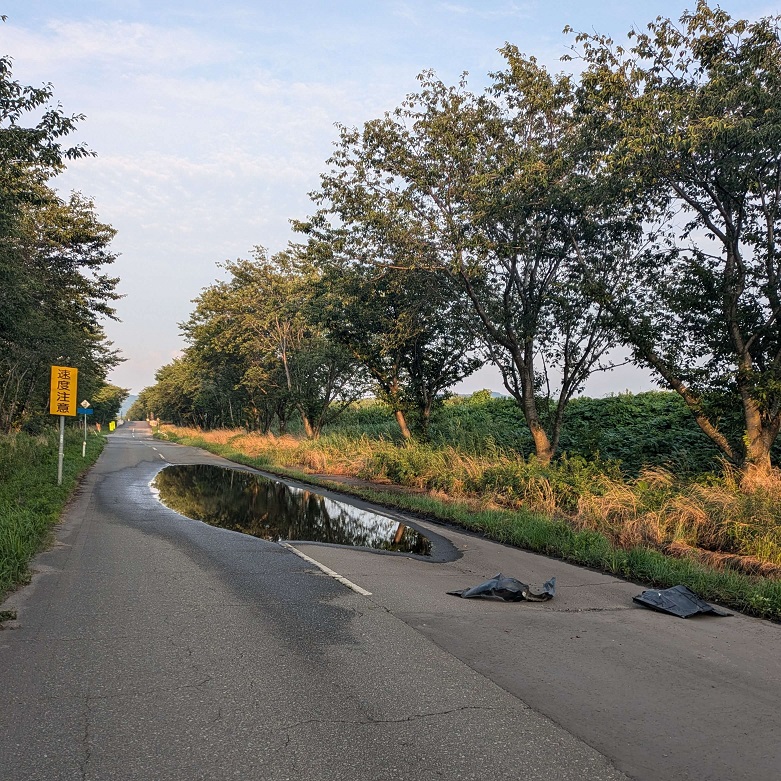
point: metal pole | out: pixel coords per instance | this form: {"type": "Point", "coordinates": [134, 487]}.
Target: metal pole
{"type": "Point", "coordinates": [84, 443]}
{"type": "Point", "coordinates": [62, 450]}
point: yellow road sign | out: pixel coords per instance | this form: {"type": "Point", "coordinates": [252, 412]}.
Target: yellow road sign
{"type": "Point", "coordinates": [62, 400]}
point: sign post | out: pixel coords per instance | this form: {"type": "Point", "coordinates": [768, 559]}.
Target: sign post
{"type": "Point", "coordinates": [84, 411]}
{"type": "Point", "coordinates": [62, 402]}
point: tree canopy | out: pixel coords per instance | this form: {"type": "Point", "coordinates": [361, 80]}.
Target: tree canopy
{"type": "Point", "coordinates": [54, 292]}
{"type": "Point", "coordinates": [691, 114]}
{"type": "Point", "coordinates": [490, 193]}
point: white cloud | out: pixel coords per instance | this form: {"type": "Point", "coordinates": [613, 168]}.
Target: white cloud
{"type": "Point", "coordinates": [115, 44]}
{"type": "Point", "coordinates": [506, 10]}
{"type": "Point", "coordinates": [407, 12]}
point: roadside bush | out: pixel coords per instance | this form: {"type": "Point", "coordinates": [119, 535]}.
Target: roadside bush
{"type": "Point", "coordinates": [638, 430]}
{"type": "Point", "coordinates": [635, 430]}
{"type": "Point", "coordinates": [553, 488]}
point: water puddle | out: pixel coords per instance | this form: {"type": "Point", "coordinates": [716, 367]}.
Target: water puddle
{"type": "Point", "coordinates": [271, 510]}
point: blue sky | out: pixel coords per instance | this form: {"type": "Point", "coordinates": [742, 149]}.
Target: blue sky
{"type": "Point", "coordinates": [212, 121]}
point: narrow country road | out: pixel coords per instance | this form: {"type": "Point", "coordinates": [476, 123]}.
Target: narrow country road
{"type": "Point", "coordinates": [153, 647]}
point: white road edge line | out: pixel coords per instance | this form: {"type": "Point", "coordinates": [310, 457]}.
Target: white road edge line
{"type": "Point", "coordinates": [335, 575]}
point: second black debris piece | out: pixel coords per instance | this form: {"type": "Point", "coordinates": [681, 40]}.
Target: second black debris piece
{"type": "Point", "coordinates": [509, 590]}
{"type": "Point", "coordinates": [678, 601]}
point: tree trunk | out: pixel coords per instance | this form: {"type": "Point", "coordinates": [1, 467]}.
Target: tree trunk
{"type": "Point", "coordinates": [402, 421]}
{"type": "Point", "coordinates": [308, 428]}
{"type": "Point", "coordinates": [759, 436]}
{"type": "Point", "coordinates": [523, 361]}
{"type": "Point", "coordinates": [425, 417]}
{"type": "Point", "coordinates": [758, 452]}
{"type": "Point", "coordinates": [542, 445]}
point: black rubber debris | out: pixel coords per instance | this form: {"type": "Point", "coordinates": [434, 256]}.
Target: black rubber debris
{"type": "Point", "coordinates": [677, 601]}
{"type": "Point", "coordinates": [508, 590]}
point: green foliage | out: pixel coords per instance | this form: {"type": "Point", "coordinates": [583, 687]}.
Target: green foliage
{"type": "Point", "coordinates": [415, 464]}
{"type": "Point", "coordinates": [552, 216]}
{"type": "Point", "coordinates": [408, 327]}
{"type": "Point", "coordinates": [638, 430]}
{"type": "Point", "coordinates": [257, 351]}
{"type": "Point", "coordinates": [53, 289]}
{"type": "Point", "coordinates": [369, 418]}
{"type": "Point", "coordinates": [689, 117]}
{"type": "Point", "coordinates": [171, 398]}
{"type": "Point", "coordinates": [631, 430]}
{"type": "Point", "coordinates": [107, 401]}
{"type": "Point", "coordinates": [480, 424]}
{"type": "Point", "coordinates": [484, 194]}
{"type": "Point", "coordinates": [30, 499]}
{"type": "Point", "coordinates": [518, 482]}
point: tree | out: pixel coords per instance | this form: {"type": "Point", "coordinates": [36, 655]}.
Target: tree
{"type": "Point", "coordinates": [691, 114]}
{"type": "Point", "coordinates": [414, 339]}
{"type": "Point", "coordinates": [442, 350]}
{"type": "Point", "coordinates": [107, 402]}
{"type": "Point", "coordinates": [53, 292]}
{"type": "Point", "coordinates": [216, 350]}
{"type": "Point", "coordinates": [267, 312]}
{"type": "Point", "coordinates": [61, 296]}
{"type": "Point", "coordinates": [492, 191]}
{"type": "Point", "coordinates": [172, 396]}
{"type": "Point", "coordinates": [29, 157]}
{"type": "Point", "coordinates": [138, 409]}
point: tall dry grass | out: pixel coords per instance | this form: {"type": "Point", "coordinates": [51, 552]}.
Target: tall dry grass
{"type": "Point", "coordinates": [735, 515]}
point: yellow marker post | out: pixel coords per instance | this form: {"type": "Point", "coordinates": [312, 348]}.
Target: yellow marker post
{"type": "Point", "coordinates": [62, 402]}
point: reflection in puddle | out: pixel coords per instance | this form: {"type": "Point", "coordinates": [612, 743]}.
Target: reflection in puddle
{"type": "Point", "coordinates": [271, 510]}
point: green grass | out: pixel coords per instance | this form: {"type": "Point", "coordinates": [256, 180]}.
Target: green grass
{"type": "Point", "coordinates": [633, 430]}
{"type": "Point", "coordinates": [31, 502]}
{"type": "Point", "coordinates": [550, 536]}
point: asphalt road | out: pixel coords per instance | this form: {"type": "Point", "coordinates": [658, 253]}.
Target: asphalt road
{"type": "Point", "coordinates": [150, 646]}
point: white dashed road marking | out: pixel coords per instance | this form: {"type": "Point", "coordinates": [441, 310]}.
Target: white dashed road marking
{"type": "Point", "coordinates": [335, 575]}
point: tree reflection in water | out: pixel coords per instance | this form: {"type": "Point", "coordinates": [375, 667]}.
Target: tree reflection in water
{"type": "Point", "coordinates": [271, 510]}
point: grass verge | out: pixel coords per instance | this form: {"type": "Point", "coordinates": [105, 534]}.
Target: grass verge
{"type": "Point", "coordinates": [31, 502]}
{"type": "Point", "coordinates": [534, 531]}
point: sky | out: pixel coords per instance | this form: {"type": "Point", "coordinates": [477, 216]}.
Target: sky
{"type": "Point", "coordinates": [212, 122]}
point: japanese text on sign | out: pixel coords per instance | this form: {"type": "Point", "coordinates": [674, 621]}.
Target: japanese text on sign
{"type": "Point", "coordinates": [62, 400]}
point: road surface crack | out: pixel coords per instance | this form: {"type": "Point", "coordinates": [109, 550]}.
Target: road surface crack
{"type": "Point", "coordinates": [371, 721]}
{"type": "Point", "coordinates": [587, 609]}
{"type": "Point", "coordinates": [139, 692]}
